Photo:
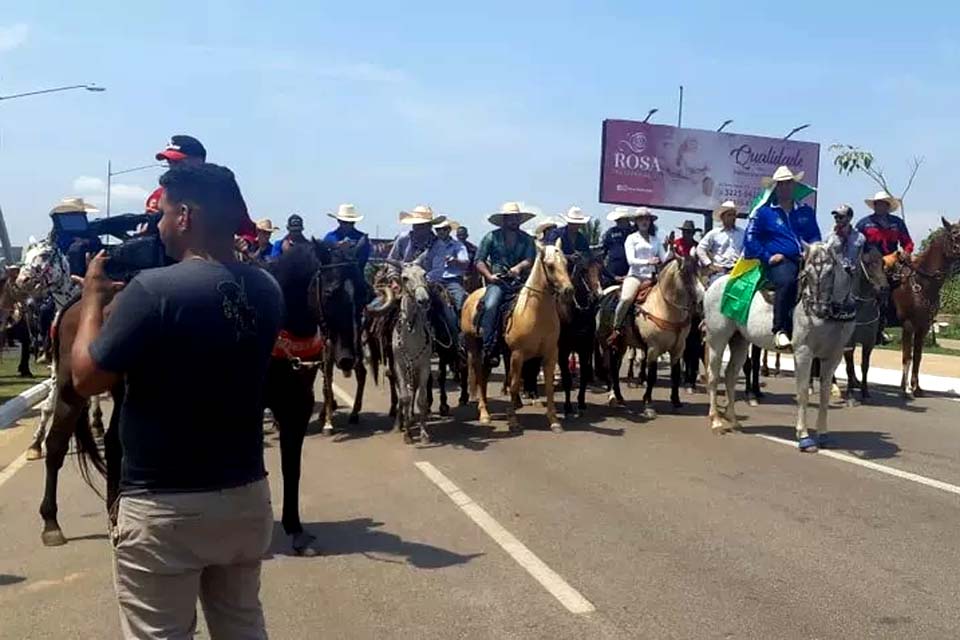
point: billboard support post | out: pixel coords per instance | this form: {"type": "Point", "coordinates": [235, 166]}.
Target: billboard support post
{"type": "Point", "coordinates": [680, 109]}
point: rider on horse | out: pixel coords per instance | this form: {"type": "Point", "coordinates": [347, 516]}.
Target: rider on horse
{"type": "Point", "coordinates": [447, 260]}
{"type": "Point", "coordinates": [615, 266]}
{"type": "Point", "coordinates": [644, 252]}
{"type": "Point", "coordinates": [720, 248]}
{"type": "Point", "coordinates": [775, 236]}
{"type": "Point", "coordinates": [889, 235]}
{"type": "Point", "coordinates": [572, 240]}
{"type": "Point", "coordinates": [505, 254]}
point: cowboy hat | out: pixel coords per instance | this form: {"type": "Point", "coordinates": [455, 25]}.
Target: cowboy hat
{"type": "Point", "coordinates": [509, 209]}
{"type": "Point", "coordinates": [643, 212]}
{"type": "Point", "coordinates": [619, 213]}
{"type": "Point", "coordinates": [575, 215]}
{"type": "Point", "coordinates": [688, 225]}
{"type": "Point", "coordinates": [886, 197]}
{"type": "Point", "coordinates": [266, 224]}
{"type": "Point", "coordinates": [346, 213]}
{"type": "Point", "coordinates": [74, 205]}
{"type": "Point", "coordinates": [444, 223]}
{"type": "Point", "coordinates": [782, 174]}
{"type": "Point", "coordinates": [543, 227]}
{"type": "Point", "coordinates": [727, 206]}
{"type": "Point", "coordinates": [419, 215]}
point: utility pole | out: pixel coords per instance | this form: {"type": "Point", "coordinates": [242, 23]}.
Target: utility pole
{"type": "Point", "coordinates": [680, 109]}
{"type": "Point", "coordinates": [5, 241]}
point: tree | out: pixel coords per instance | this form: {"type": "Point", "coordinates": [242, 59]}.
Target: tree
{"type": "Point", "coordinates": [849, 159]}
{"type": "Point", "coordinates": [592, 231]}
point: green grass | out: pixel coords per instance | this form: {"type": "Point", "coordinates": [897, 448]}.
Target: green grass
{"type": "Point", "coordinates": [894, 345]}
{"type": "Point", "coordinates": [11, 384]}
{"type": "Point", "coordinates": [951, 331]}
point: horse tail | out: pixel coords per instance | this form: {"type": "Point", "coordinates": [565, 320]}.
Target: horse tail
{"type": "Point", "coordinates": [88, 453]}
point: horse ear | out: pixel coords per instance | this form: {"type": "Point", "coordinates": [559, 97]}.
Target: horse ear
{"type": "Point", "coordinates": [538, 244]}
{"type": "Point", "coordinates": [806, 249]}
{"type": "Point", "coordinates": [946, 223]}
{"type": "Point", "coordinates": [558, 244]}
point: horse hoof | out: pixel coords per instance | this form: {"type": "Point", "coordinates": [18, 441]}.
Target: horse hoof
{"type": "Point", "coordinates": [690, 391]}
{"type": "Point", "coordinates": [649, 413]}
{"type": "Point", "coordinates": [328, 429]}
{"type": "Point", "coordinates": [34, 453]}
{"type": "Point", "coordinates": [852, 402]}
{"type": "Point", "coordinates": [425, 437]}
{"type": "Point", "coordinates": [807, 445]}
{"type": "Point", "coordinates": [753, 402]}
{"type": "Point", "coordinates": [302, 544]}
{"type": "Point", "coordinates": [824, 440]}
{"type": "Point", "coordinates": [918, 393]}
{"type": "Point", "coordinates": [485, 420]}
{"type": "Point", "coordinates": [676, 403]}
{"type": "Point", "coordinates": [53, 538]}
{"type": "Point", "coordinates": [556, 427]}
{"type": "Point", "coordinates": [407, 439]}
{"type": "Point", "coordinates": [444, 410]}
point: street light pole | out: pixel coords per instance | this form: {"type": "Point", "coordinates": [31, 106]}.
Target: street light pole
{"type": "Point", "coordinates": [111, 173]}
{"type": "Point", "coordinates": [4, 236]}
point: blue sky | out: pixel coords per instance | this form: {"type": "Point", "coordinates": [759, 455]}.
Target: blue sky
{"type": "Point", "coordinates": [388, 105]}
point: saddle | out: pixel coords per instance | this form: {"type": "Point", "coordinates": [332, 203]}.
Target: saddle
{"type": "Point", "coordinates": [645, 288]}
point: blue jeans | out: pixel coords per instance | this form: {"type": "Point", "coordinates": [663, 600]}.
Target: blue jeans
{"type": "Point", "coordinates": [451, 314]}
{"type": "Point", "coordinates": [457, 292]}
{"type": "Point", "coordinates": [490, 320]}
{"type": "Point", "coordinates": [783, 276]}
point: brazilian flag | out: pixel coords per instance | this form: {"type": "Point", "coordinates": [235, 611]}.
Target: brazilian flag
{"type": "Point", "coordinates": [747, 274]}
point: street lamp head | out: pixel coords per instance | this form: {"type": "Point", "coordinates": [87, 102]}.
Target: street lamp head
{"type": "Point", "coordinates": [95, 88]}
{"type": "Point", "coordinates": [795, 130]}
{"type": "Point", "coordinates": [650, 113]}
{"type": "Point", "coordinates": [724, 125]}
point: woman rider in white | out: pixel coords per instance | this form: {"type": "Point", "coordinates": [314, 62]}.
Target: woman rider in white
{"type": "Point", "coordinates": [645, 251]}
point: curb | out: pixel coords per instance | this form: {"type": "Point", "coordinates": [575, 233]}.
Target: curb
{"type": "Point", "coordinates": [15, 408]}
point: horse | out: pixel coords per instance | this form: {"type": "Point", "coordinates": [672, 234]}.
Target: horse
{"type": "Point", "coordinates": [447, 346]}
{"type": "Point", "coordinates": [917, 299]}
{"type": "Point", "coordinates": [532, 331]}
{"type": "Point", "coordinates": [412, 343]}
{"type": "Point", "coordinates": [46, 272]}
{"type": "Point", "coordinates": [578, 328]}
{"type": "Point", "coordinates": [320, 330]}
{"type": "Point", "coordinates": [661, 326]}
{"type": "Point", "coordinates": [869, 287]}
{"type": "Point", "coordinates": [823, 282]}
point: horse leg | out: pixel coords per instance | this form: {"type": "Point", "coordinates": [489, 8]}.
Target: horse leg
{"type": "Point", "coordinates": [422, 402]}
{"type": "Point", "coordinates": [631, 356]}
{"type": "Point", "coordinates": [515, 380]}
{"type": "Point", "coordinates": [392, 383]}
{"type": "Point", "coordinates": [35, 451]}
{"type": "Point", "coordinates": [650, 366]}
{"type": "Point", "coordinates": [827, 368]}
{"type": "Point", "coordinates": [566, 380]}
{"type": "Point", "coordinates": [804, 363]}
{"type": "Point", "coordinates": [429, 389]}
{"type": "Point", "coordinates": [549, 367]}
{"type": "Point", "coordinates": [848, 361]}
{"type": "Point", "coordinates": [58, 442]}
{"type": "Point", "coordinates": [776, 364]}
{"type": "Point", "coordinates": [865, 352]}
{"type": "Point", "coordinates": [361, 372]}
{"type": "Point", "coordinates": [442, 383]}
{"type": "Point", "coordinates": [616, 396]}
{"type": "Point", "coordinates": [739, 352]}
{"type": "Point", "coordinates": [765, 366]}
{"type": "Point", "coordinates": [714, 362]}
{"type": "Point", "coordinates": [906, 351]}
{"type": "Point", "coordinates": [918, 338]}
{"type": "Point", "coordinates": [675, 374]}
{"type": "Point", "coordinates": [292, 414]}
{"type": "Point", "coordinates": [479, 382]}
{"type": "Point", "coordinates": [754, 361]}
{"type": "Point", "coordinates": [586, 375]}
{"type": "Point", "coordinates": [24, 367]}
{"type": "Point", "coordinates": [328, 399]}
{"type": "Point", "coordinates": [463, 375]}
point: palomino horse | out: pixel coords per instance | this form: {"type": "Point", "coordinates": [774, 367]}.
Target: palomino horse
{"type": "Point", "coordinates": [45, 272]}
{"type": "Point", "coordinates": [869, 287]}
{"type": "Point", "coordinates": [320, 329]}
{"type": "Point", "coordinates": [823, 282]}
{"type": "Point", "coordinates": [578, 327]}
{"type": "Point", "coordinates": [917, 299]}
{"type": "Point", "coordinates": [532, 331]}
{"type": "Point", "coordinates": [661, 326]}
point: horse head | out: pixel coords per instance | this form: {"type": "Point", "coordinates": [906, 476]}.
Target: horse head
{"type": "Point", "coordinates": [44, 268]}
{"type": "Point", "coordinates": [821, 261]}
{"type": "Point", "coordinates": [413, 283]}
{"type": "Point", "coordinates": [336, 297]}
{"type": "Point", "coordinates": [872, 271]}
{"type": "Point", "coordinates": [554, 265]}
{"type": "Point", "coordinates": [951, 239]}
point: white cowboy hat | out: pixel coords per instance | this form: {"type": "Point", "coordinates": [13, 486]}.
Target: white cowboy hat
{"type": "Point", "coordinates": [782, 174]}
{"type": "Point", "coordinates": [509, 209]}
{"type": "Point", "coordinates": [419, 215]}
{"type": "Point", "coordinates": [346, 213]}
{"type": "Point", "coordinates": [74, 205]}
{"type": "Point", "coordinates": [575, 215]}
{"type": "Point", "coordinates": [542, 228]}
{"type": "Point", "coordinates": [453, 225]}
{"type": "Point", "coordinates": [619, 213]}
{"type": "Point", "coordinates": [266, 224]}
{"type": "Point", "coordinates": [884, 196]}
{"type": "Point", "coordinates": [643, 212]}
{"type": "Point", "coordinates": [727, 205]}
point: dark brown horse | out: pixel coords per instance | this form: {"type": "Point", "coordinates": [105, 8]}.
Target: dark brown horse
{"type": "Point", "coordinates": [322, 290]}
{"type": "Point", "coordinates": [917, 299]}
{"type": "Point", "coordinates": [578, 328]}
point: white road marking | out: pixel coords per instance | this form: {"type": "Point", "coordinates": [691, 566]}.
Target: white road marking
{"type": "Point", "coordinates": [341, 394]}
{"type": "Point", "coordinates": [547, 577]}
{"type": "Point", "coordinates": [873, 466]}
{"type": "Point", "coordinates": [12, 468]}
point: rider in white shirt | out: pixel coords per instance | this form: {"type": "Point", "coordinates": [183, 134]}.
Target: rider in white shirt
{"type": "Point", "coordinates": [645, 252]}
{"type": "Point", "coordinates": [720, 248]}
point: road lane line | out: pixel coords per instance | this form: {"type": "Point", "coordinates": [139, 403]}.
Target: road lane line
{"type": "Point", "coordinates": [341, 394]}
{"type": "Point", "coordinates": [873, 466]}
{"type": "Point", "coordinates": [547, 577]}
{"type": "Point", "coordinates": [12, 468]}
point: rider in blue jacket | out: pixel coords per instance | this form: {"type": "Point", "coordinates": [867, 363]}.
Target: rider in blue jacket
{"type": "Point", "coordinates": [775, 236]}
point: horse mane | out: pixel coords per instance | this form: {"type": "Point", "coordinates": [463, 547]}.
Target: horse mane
{"type": "Point", "coordinates": [294, 271]}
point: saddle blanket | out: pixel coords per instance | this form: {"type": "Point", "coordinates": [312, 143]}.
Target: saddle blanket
{"type": "Point", "coordinates": [291, 346]}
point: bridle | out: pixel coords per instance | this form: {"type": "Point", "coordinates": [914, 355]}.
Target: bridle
{"type": "Point", "coordinates": [814, 304]}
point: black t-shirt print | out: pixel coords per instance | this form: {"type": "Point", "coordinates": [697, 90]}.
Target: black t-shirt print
{"type": "Point", "coordinates": [193, 341]}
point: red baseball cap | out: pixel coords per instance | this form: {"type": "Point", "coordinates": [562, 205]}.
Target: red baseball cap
{"type": "Point", "coordinates": [153, 201]}
{"type": "Point", "coordinates": [181, 147]}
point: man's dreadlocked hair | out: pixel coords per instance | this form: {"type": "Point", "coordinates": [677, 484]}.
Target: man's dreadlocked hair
{"type": "Point", "coordinates": [211, 188]}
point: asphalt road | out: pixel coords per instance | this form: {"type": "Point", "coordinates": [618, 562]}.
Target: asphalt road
{"type": "Point", "coordinates": [663, 530]}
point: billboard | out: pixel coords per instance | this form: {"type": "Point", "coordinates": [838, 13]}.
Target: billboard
{"type": "Point", "coordinates": [694, 170]}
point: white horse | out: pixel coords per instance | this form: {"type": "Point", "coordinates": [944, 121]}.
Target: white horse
{"type": "Point", "coordinates": [412, 349]}
{"type": "Point", "coordinates": [45, 271]}
{"type": "Point", "coordinates": [823, 282]}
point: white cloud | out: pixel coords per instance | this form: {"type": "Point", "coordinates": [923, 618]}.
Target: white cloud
{"type": "Point", "coordinates": [13, 36]}
{"type": "Point", "coordinates": [121, 194]}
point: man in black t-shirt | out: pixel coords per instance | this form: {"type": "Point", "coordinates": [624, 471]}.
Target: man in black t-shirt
{"type": "Point", "coordinates": [192, 343]}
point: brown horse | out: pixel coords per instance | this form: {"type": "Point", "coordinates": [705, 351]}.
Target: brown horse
{"type": "Point", "coordinates": [917, 299]}
{"type": "Point", "coordinates": [533, 331]}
